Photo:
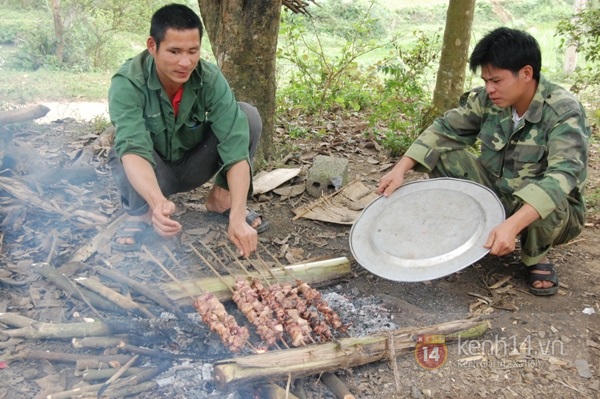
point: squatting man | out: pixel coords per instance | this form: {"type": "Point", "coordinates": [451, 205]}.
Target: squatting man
{"type": "Point", "coordinates": [178, 124]}
{"type": "Point", "coordinates": [534, 151]}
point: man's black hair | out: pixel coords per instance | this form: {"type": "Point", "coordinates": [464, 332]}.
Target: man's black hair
{"type": "Point", "coordinates": [173, 16]}
{"type": "Point", "coordinates": [507, 48]}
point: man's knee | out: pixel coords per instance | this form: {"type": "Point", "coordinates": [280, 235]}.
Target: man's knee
{"type": "Point", "coordinates": [254, 124]}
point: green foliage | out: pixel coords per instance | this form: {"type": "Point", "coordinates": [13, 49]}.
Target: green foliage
{"type": "Point", "coordinates": [90, 31]}
{"type": "Point", "coordinates": [99, 123]}
{"type": "Point", "coordinates": [401, 109]}
{"type": "Point", "coordinates": [338, 18]}
{"type": "Point", "coordinates": [583, 31]}
{"type": "Point", "coordinates": [320, 80]}
{"type": "Point", "coordinates": [14, 23]}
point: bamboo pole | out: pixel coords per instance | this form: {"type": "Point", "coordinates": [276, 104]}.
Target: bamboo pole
{"type": "Point", "coordinates": [313, 273]}
{"type": "Point", "coordinates": [345, 353]}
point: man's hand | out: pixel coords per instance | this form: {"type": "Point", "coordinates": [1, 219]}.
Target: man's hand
{"type": "Point", "coordinates": [501, 240]}
{"type": "Point", "coordinates": [243, 236]}
{"type": "Point", "coordinates": [395, 177]}
{"type": "Point", "coordinates": [161, 219]}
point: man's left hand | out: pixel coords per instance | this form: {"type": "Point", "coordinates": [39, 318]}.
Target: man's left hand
{"type": "Point", "coordinates": [244, 237]}
{"type": "Point", "coordinates": [501, 240]}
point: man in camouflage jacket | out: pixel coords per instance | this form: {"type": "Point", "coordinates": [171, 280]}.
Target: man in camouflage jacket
{"type": "Point", "coordinates": [534, 151]}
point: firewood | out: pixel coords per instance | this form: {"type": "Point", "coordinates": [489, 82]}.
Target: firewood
{"type": "Point", "coordinates": [40, 330]}
{"type": "Point", "coordinates": [330, 356]}
{"type": "Point", "coordinates": [23, 114]}
{"type": "Point", "coordinates": [118, 393]}
{"type": "Point", "coordinates": [272, 391]}
{"type": "Point", "coordinates": [339, 389]}
{"type": "Point", "coordinates": [98, 342]}
{"type": "Point", "coordinates": [15, 320]}
{"type": "Point", "coordinates": [313, 273]}
{"type": "Point", "coordinates": [62, 282]}
{"type": "Point", "coordinates": [67, 357]}
{"type": "Point", "coordinates": [98, 375]}
{"type": "Point", "coordinates": [136, 383]}
{"type": "Point", "coordinates": [147, 290]}
{"type": "Point", "coordinates": [113, 296]}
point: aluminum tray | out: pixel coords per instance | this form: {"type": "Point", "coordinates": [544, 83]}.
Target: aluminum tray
{"type": "Point", "coordinates": [426, 229]}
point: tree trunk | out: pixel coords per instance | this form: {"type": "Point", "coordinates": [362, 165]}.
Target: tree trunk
{"type": "Point", "coordinates": [243, 35]}
{"type": "Point", "coordinates": [58, 31]}
{"type": "Point", "coordinates": [451, 74]}
{"type": "Point", "coordinates": [571, 52]}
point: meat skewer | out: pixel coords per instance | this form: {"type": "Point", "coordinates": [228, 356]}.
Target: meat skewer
{"type": "Point", "coordinates": [314, 298]}
{"type": "Point", "coordinates": [287, 315]}
{"type": "Point", "coordinates": [213, 313]}
{"type": "Point", "coordinates": [257, 313]}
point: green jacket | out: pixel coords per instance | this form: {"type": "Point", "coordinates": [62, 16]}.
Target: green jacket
{"type": "Point", "coordinates": [541, 162]}
{"type": "Point", "coordinates": [144, 118]}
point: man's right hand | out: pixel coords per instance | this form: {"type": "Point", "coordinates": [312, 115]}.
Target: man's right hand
{"type": "Point", "coordinates": [162, 222]}
{"type": "Point", "coordinates": [395, 177]}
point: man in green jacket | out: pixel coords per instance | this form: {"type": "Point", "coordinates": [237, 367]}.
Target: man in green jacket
{"type": "Point", "coordinates": [534, 151]}
{"type": "Point", "coordinates": [177, 125]}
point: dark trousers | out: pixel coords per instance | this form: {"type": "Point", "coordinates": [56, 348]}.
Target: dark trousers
{"type": "Point", "coordinates": [197, 167]}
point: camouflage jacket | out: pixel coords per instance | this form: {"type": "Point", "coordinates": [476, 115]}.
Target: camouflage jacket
{"type": "Point", "coordinates": [541, 162]}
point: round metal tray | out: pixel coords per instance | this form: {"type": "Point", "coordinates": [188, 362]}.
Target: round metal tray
{"type": "Point", "coordinates": [426, 229]}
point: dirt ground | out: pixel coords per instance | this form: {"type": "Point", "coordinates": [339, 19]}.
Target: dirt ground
{"type": "Point", "coordinates": [534, 347]}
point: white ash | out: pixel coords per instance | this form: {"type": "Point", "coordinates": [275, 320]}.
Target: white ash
{"type": "Point", "coordinates": [366, 314]}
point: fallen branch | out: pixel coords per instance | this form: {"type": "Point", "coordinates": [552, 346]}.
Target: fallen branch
{"type": "Point", "coordinates": [330, 356]}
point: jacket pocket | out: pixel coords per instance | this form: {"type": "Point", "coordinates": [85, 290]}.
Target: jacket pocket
{"type": "Point", "coordinates": [492, 153]}
{"type": "Point", "coordinates": [530, 160]}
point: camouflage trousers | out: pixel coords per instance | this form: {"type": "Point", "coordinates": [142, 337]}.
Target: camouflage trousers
{"type": "Point", "coordinates": [536, 239]}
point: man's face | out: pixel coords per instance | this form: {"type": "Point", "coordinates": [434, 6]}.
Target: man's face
{"type": "Point", "coordinates": [176, 57]}
{"type": "Point", "coordinates": [506, 89]}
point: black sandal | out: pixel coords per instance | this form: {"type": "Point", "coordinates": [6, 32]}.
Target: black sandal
{"type": "Point", "coordinates": [130, 229]}
{"type": "Point", "coordinates": [552, 277]}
